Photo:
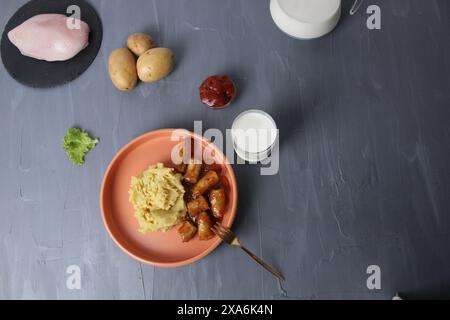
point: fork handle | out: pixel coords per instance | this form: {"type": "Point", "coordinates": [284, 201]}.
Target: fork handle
{"type": "Point", "coordinates": [262, 263]}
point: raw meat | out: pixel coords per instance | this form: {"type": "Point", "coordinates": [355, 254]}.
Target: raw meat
{"type": "Point", "coordinates": [50, 37]}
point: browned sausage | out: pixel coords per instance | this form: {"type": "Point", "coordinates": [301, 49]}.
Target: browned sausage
{"type": "Point", "coordinates": [218, 200]}
{"type": "Point", "coordinates": [211, 167]}
{"type": "Point", "coordinates": [187, 231]}
{"type": "Point", "coordinates": [181, 168]}
{"type": "Point", "coordinates": [209, 180]}
{"type": "Point", "coordinates": [196, 206]}
{"type": "Point", "coordinates": [204, 226]}
{"type": "Point", "coordinates": [192, 172]}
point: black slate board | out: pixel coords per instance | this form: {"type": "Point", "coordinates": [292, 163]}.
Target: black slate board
{"type": "Point", "coordinates": [43, 74]}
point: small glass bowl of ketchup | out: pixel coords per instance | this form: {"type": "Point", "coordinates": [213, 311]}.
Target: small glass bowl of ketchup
{"type": "Point", "coordinates": [217, 91]}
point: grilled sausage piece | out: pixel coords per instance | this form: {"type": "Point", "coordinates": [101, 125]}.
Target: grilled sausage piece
{"type": "Point", "coordinates": [187, 231]}
{"type": "Point", "coordinates": [197, 206]}
{"type": "Point", "coordinates": [204, 226]}
{"type": "Point", "coordinates": [192, 172]}
{"type": "Point", "coordinates": [218, 200]}
{"type": "Point", "coordinates": [209, 180]}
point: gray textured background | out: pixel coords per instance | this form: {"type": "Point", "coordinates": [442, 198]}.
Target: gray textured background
{"type": "Point", "coordinates": [365, 155]}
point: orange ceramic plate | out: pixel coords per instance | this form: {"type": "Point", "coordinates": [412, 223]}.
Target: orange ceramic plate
{"type": "Point", "coordinates": [162, 249]}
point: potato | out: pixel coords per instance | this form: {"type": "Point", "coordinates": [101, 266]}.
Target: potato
{"type": "Point", "coordinates": [155, 64]}
{"type": "Point", "coordinates": [122, 69]}
{"type": "Point", "coordinates": [139, 43]}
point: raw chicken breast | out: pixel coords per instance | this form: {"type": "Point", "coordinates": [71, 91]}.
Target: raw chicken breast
{"type": "Point", "coordinates": [47, 37]}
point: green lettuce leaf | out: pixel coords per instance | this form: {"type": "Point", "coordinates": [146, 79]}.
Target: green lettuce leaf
{"type": "Point", "coordinates": [77, 144]}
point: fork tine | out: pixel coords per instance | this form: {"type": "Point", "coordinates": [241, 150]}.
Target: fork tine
{"type": "Point", "coordinates": [226, 231]}
{"type": "Point", "coordinates": [217, 232]}
{"type": "Point", "coordinates": [221, 227]}
{"type": "Point", "coordinates": [222, 232]}
{"type": "Point", "coordinates": [214, 229]}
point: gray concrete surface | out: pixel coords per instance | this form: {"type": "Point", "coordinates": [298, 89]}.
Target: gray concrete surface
{"type": "Point", "coordinates": [364, 167]}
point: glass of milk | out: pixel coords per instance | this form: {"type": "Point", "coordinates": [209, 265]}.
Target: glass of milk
{"type": "Point", "coordinates": [306, 19]}
{"type": "Point", "coordinates": [254, 134]}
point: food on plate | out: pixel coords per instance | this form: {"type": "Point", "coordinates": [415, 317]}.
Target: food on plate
{"type": "Point", "coordinates": [204, 226]}
{"type": "Point", "coordinates": [217, 198]}
{"type": "Point", "coordinates": [77, 144]}
{"type": "Point", "coordinates": [157, 196]}
{"type": "Point", "coordinates": [205, 196]}
{"type": "Point", "coordinates": [48, 37]}
{"type": "Point", "coordinates": [155, 64]}
{"type": "Point", "coordinates": [181, 167]}
{"type": "Point", "coordinates": [139, 43]}
{"type": "Point", "coordinates": [217, 91]}
{"type": "Point", "coordinates": [209, 180]}
{"type": "Point", "coordinates": [192, 171]}
{"type": "Point", "coordinates": [163, 197]}
{"type": "Point", "coordinates": [187, 230]}
{"type": "Point", "coordinates": [197, 206]}
{"type": "Point", "coordinates": [122, 69]}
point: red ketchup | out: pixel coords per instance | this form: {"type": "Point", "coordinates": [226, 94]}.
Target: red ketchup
{"type": "Point", "coordinates": [217, 91]}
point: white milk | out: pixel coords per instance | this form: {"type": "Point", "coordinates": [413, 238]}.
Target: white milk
{"type": "Point", "coordinates": [306, 19]}
{"type": "Point", "coordinates": [254, 133]}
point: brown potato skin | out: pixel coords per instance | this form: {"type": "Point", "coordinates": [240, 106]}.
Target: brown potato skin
{"type": "Point", "coordinates": [155, 64]}
{"type": "Point", "coordinates": [204, 226]}
{"type": "Point", "coordinates": [209, 180]}
{"type": "Point", "coordinates": [187, 231]}
{"type": "Point", "coordinates": [139, 43]}
{"type": "Point", "coordinates": [122, 69]}
{"type": "Point", "coordinates": [192, 172]}
{"type": "Point", "coordinates": [197, 206]}
{"type": "Point", "coordinates": [217, 198]}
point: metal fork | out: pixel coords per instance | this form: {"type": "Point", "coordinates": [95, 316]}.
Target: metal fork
{"type": "Point", "coordinates": [230, 237]}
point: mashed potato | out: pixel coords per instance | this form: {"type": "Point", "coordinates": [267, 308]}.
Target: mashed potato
{"type": "Point", "coordinates": [157, 197]}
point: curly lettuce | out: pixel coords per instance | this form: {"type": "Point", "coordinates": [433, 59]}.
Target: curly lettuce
{"type": "Point", "coordinates": [77, 144]}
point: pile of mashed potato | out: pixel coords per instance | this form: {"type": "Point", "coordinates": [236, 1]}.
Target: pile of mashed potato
{"type": "Point", "coordinates": [157, 197]}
